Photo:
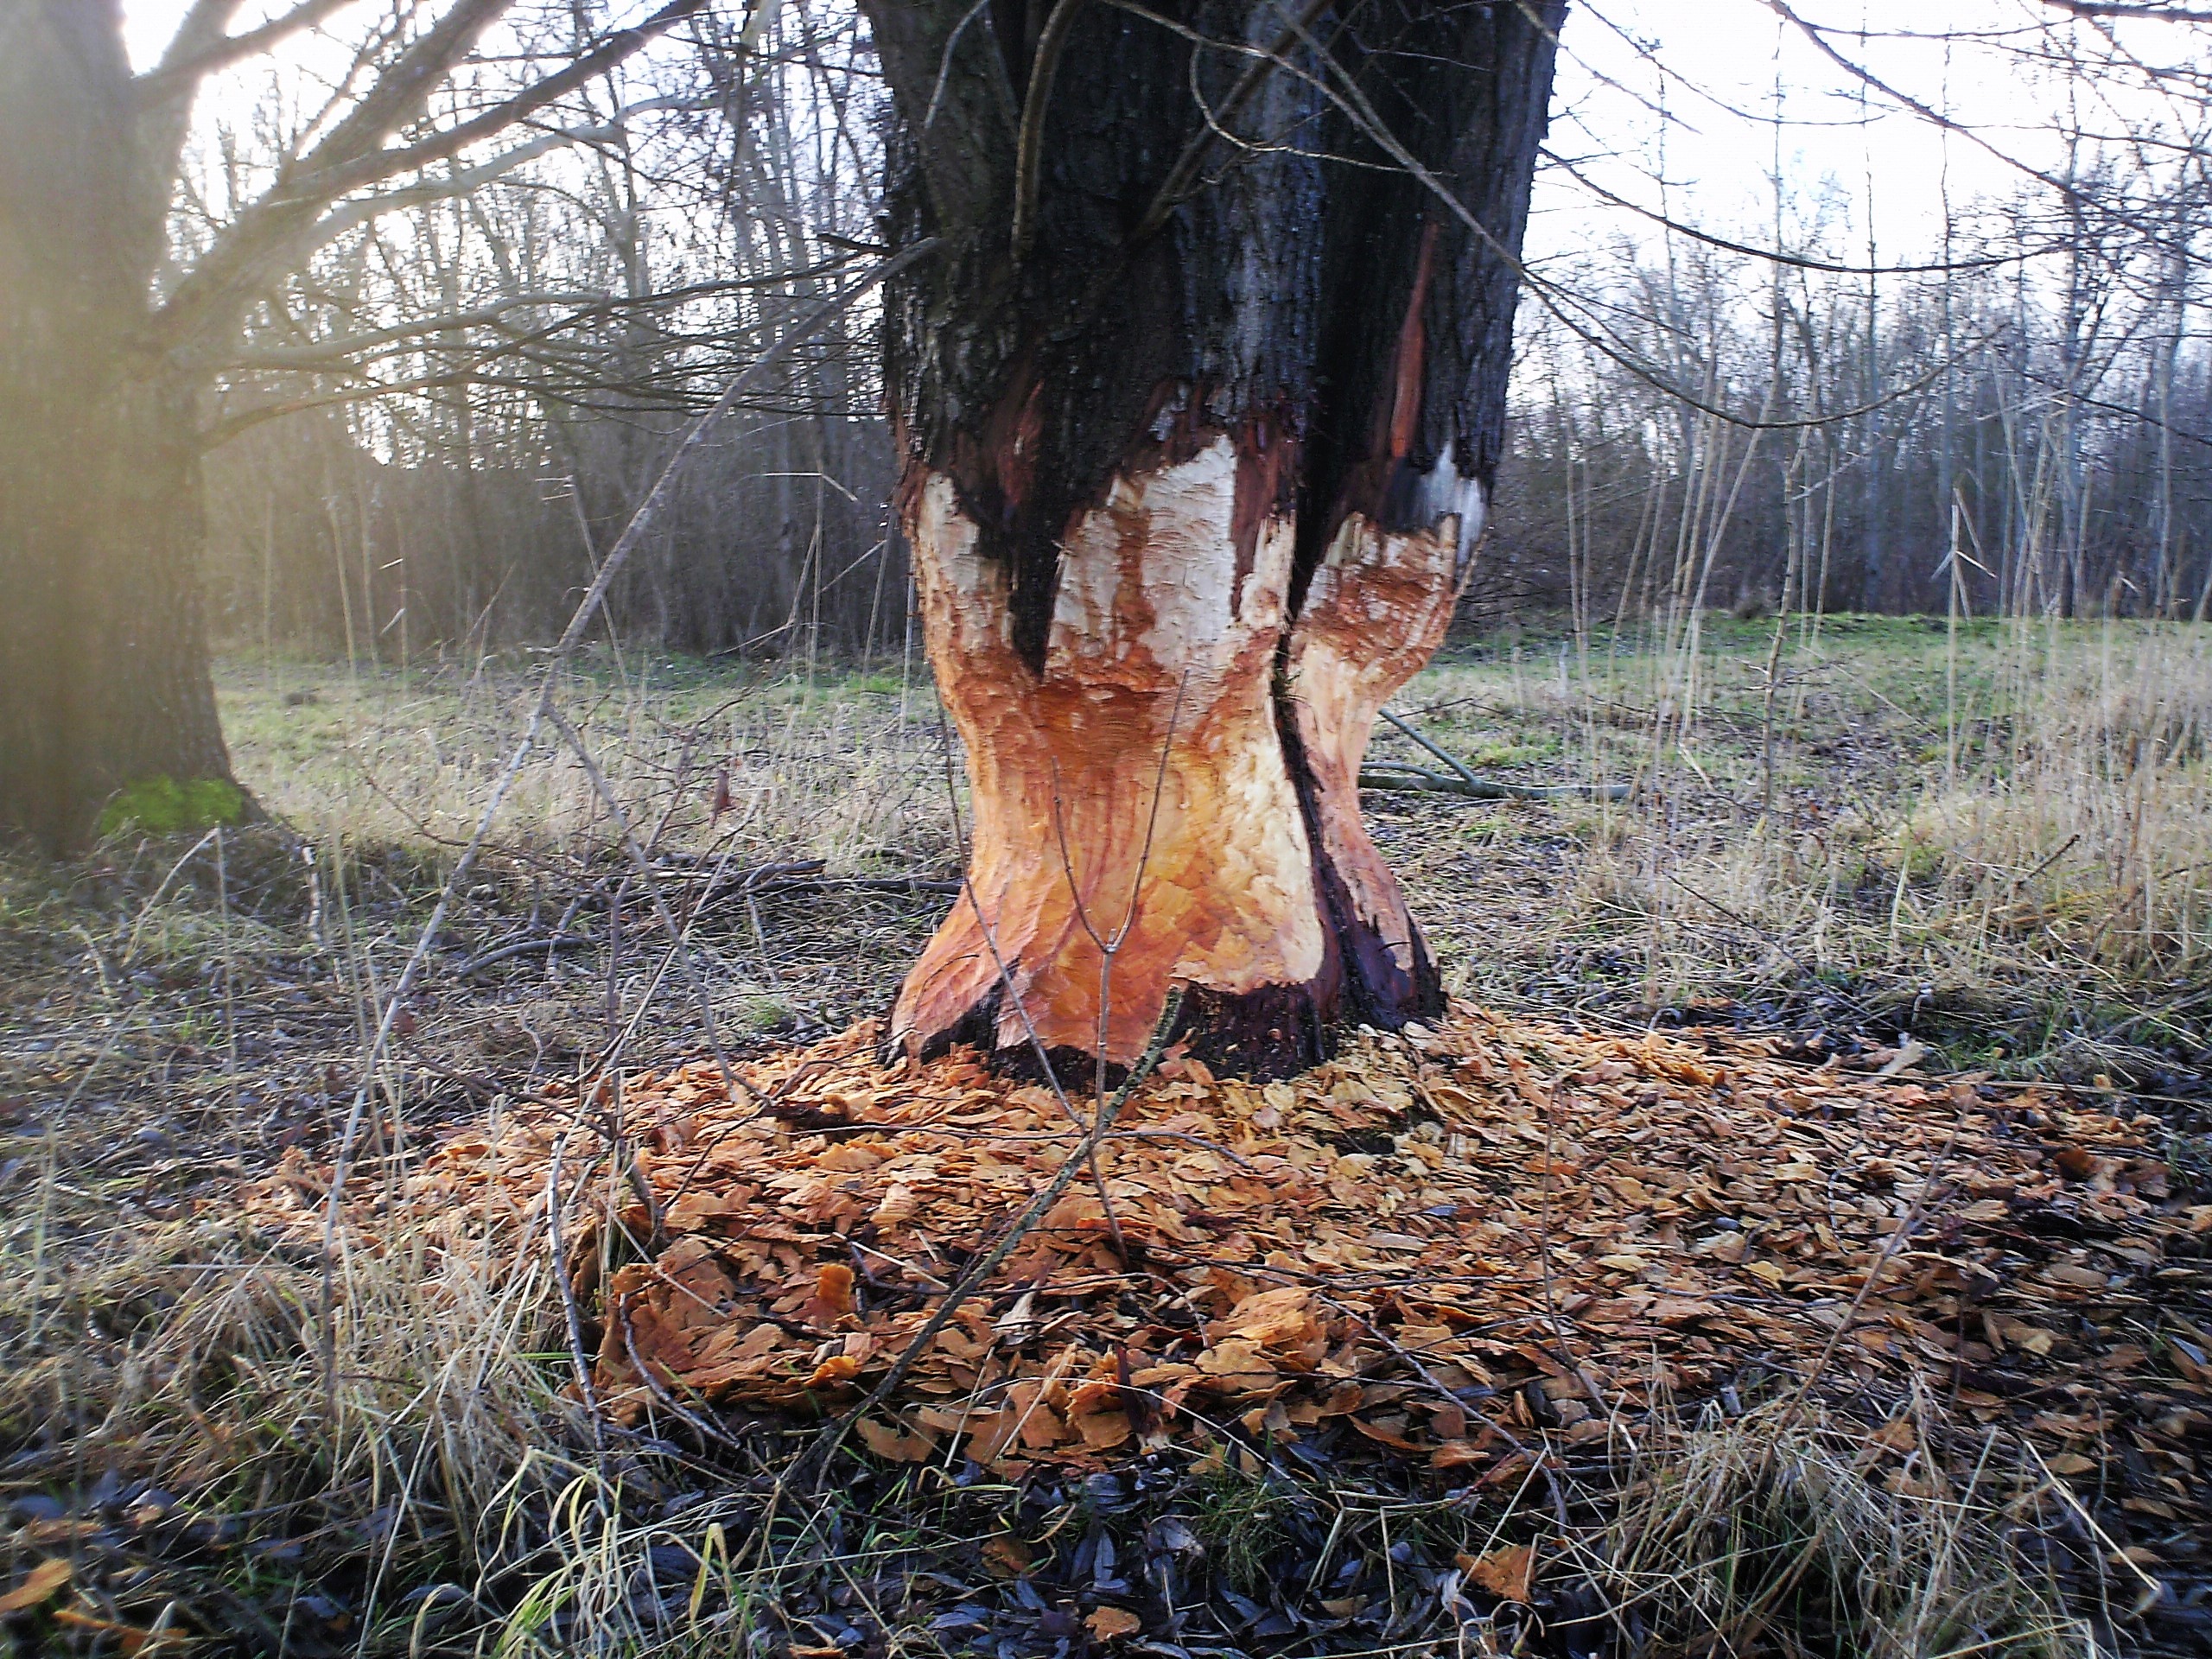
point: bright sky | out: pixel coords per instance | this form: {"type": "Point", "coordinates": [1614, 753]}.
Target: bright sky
{"type": "Point", "coordinates": [1719, 68]}
{"type": "Point", "coordinates": [1715, 68]}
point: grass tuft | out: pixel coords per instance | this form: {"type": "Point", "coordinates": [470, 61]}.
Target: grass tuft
{"type": "Point", "coordinates": [1799, 1533]}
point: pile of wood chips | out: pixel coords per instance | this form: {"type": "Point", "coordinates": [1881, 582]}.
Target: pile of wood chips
{"type": "Point", "coordinates": [1441, 1241]}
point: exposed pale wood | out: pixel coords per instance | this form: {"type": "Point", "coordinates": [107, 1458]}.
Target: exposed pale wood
{"type": "Point", "coordinates": [1376, 611]}
{"type": "Point", "coordinates": [1138, 782]}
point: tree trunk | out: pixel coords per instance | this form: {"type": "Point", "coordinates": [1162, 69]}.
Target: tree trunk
{"type": "Point", "coordinates": [1186, 507]}
{"type": "Point", "coordinates": [104, 671]}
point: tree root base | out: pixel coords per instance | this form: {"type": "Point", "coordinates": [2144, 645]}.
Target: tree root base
{"type": "Point", "coordinates": [1262, 1036]}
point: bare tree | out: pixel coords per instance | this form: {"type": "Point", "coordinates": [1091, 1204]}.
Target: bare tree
{"type": "Point", "coordinates": [107, 347]}
{"type": "Point", "coordinates": [483, 384]}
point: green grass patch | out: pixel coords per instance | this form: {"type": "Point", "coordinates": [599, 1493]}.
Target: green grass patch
{"type": "Point", "coordinates": [162, 806]}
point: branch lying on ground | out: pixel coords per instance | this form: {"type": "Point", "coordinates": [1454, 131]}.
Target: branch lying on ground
{"type": "Point", "coordinates": [865, 884]}
{"type": "Point", "coordinates": [1398, 775]}
{"type": "Point", "coordinates": [1412, 776]}
{"type": "Point", "coordinates": [525, 947]}
{"type": "Point", "coordinates": [805, 875]}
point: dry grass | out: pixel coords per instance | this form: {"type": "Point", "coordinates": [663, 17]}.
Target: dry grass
{"type": "Point", "coordinates": [1790, 1530]}
{"type": "Point", "coordinates": [844, 769]}
{"type": "Point", "coordinates": [270, 1458]}
{"type": "Point", "coordinates": [1999, 833]}
{"type": "Point", "coordinates": [384, 776]}
{"type": "Point", "coordinates": [375, 1453]}
{"type": "Point", "coordinates": [2001, 837]}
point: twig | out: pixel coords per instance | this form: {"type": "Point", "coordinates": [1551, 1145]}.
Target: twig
{"type": "Point", "coordinates": [944, 72]}
{"type": "Point", "coordinates": [522, 948]}
{"type": "Point", "coordinates": [618, 1142]}
{"type": "Point", "coordinates": [1181, 177]}
{"type": "Point", "coordinates": [1109, 949]}
{"type": "Point", "coordinates": [1773, 944]}
{"type": "Point", "coordinates": [643, 866]}
{"type": "Point", "coordinates": [568, 1308]}
{"type": "Point", "coordinates": [1013, 992]}
{"type": "Point", "coordinates": [769, 1104]}
{"type": "Point", "coordinates": [1890, 1247]}
{"type": "Point", "coordinates": [700, 1425]}
{"type": "Point", "coordinates": [130, 946]}
{"type": "Point", "coordinates": [2019, 882]}
{"type": "Point", "coordinates": [2151, 1588]}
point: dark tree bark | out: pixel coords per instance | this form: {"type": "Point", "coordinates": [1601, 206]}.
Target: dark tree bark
{"type": "Point", "coordinates": [1190, 493]}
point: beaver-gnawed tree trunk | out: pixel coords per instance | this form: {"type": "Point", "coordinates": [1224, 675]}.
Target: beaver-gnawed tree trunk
{"type": "Point", "coordinates": [1196, 459]}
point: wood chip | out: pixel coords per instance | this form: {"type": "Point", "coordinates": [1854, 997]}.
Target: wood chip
{"type": "Point", "coordinates": [39, 1587]}
{"type": "Point", "coordinates": [1368, 1257]}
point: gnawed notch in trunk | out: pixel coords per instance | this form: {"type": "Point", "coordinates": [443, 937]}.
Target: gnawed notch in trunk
{"type": "Point", "coordinates": [1171, 798]}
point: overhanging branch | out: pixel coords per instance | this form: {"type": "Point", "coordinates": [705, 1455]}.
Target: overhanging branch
{"type": "Point", "coordinates": [170, 78]}
{"type": "Point", "coordinates": [340, 353]}
{"type": "Point", "coordinates": [228, 270]}
{"type": "Point", "coordinates": [331, 182]}
{"type": "Point", "coordinates": [350, 158]}
{"type": "Point", "coordinates": [2150, 12]}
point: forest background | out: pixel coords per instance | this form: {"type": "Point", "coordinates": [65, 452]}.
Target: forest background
{"type": "Point", "coordinates": [1827, 312]}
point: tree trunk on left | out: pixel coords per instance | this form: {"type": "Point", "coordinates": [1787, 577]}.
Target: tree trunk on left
{"type": "Point", "coordinates": [104, 671]}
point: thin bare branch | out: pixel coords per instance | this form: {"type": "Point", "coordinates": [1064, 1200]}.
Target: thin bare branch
{"type": "Point", "coordinates": [183, 69]}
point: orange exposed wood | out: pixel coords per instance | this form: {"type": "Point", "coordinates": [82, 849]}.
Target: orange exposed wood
{"type": "Point", "coordinates": [1412, 354]}
{"type": "Point", "coordinates": [1138, 789]}
{"type": "Point", "coordinates": [1155, 687]}
{"type": "Point", "coordinates": [1375, 612]}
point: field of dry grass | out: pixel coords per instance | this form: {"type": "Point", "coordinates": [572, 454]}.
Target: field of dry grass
{"type": "Point", "coordinates": [1997, 838]}
{"type": "Point", "coordinates": [1987, 847]}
